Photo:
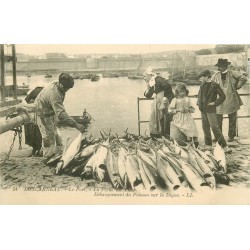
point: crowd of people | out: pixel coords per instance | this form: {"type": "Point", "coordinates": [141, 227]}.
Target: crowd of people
{"type": "Point", "coordinates": [217, 96]}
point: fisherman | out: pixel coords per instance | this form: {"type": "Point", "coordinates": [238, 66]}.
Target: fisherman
{"type": "Point", "coordinates": [49, 107]}
{"type": "Point", "coordinates": [159, 123]}
{"type": "Point", "coordinates": [207, 102]}
{"type": "Point", "coordinates": [229, 81]}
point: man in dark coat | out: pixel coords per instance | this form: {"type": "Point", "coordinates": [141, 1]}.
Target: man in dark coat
{"type": "Point", "coordinates": [207, 102]}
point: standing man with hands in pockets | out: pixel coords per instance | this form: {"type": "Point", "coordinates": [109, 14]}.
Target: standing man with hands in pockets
{"type": "Point", "coordinates": [49, 107]}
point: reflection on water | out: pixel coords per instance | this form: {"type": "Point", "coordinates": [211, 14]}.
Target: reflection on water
{"type": "Point", "coordinates": [112, 102]}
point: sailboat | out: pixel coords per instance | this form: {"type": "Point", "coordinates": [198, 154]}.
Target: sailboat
{"type": "Point", "coordinates": [109, 74]}
{"type": "Point", "coordinates": [138, 75]}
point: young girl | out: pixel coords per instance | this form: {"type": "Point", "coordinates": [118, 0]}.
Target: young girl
{"type": "Point", "coordinates": [181, 108]}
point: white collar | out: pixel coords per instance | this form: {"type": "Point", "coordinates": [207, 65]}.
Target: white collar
{"type": "Point", "coordinates": [152, 81]}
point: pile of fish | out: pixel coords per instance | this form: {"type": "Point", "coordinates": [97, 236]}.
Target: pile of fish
{"type": "Point", "coordinates": [141, 163]}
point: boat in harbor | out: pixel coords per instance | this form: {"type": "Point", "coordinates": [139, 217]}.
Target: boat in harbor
{"type": "Point", "coordinates": [135, 77]}
{"type": "Point", "coordinates": [21, 90]}
{"type": "Point", "coordinates": [94, 78]}
{"type": "Point", "coordinates": [85, 76]}
{"type": "Point", "coordinates": [109, 75]}
{"type": "Point", "coordinates": [48, 75]}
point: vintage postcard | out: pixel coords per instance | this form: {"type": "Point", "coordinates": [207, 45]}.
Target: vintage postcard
{"type": "Point", "coordinates": [125, 124]}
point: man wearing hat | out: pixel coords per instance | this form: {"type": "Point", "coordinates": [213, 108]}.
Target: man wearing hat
{"type": "Point", "coordinates": [211, 96]}
{"type": "Point", "coordinates": [229, 82]}
{"type": "Point", "coordinates": [49, 108]}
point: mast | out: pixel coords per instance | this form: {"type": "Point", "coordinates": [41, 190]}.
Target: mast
{"type": "Point", "coordinates": [2, 73]}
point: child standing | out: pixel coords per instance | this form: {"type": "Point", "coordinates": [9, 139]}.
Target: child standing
{"type": "Point", "coordinates": [207, 102]}
{"type": "Point", "coordinates": [181, 108]}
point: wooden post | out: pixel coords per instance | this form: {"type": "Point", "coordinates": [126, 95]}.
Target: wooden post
{"type": "Point", "coordinates": [14, 70]}
{"type": "Point", "coordinates": [184, 67]}
{"type": "Point", "coordinates": [2, 73]}
{"type": "Point", "coordinates": [138, 114]}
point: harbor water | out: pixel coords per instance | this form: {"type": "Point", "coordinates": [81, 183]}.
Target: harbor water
{"type": "Point", "coordinates": [112, 102]}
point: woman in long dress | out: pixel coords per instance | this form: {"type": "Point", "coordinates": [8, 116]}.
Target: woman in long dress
{"type": "Point", "coordinates": [159, 121]}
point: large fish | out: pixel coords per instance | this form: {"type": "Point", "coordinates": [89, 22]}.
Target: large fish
{"type": "Point", "coordinates": [87, 172]}
{"type": "Point", "coordinates": [220, 157]}
{"type": "Point", "coordinates": [99, 162]}
{"type": "Point", "coordinates": [197, 182]}
{"type": "Point", "coordinates": [176, 165]}
{"type": "Point", "coordinates": [121, 161]}
{"type": "Point", "coordinates": [167, 174]}
{"type": "Point", "coordinates": [88, 151]}
{"type": "Point", "coordinates": [69, 154]}
{"type": "Point", "coordinates": [192, 161]}
{"type": "Point", "coordinates": [148, 174]}
{"type": "Point", "coordinates": [206, 171]}
{"type": "Point", "coordinates": [147, 157]}
{"type": "Point", "coordinates": [112, 170]}
{"type": "Point", "coordinates": [54, 160]}
{"type": "Point", "coordinates": [132, 170]}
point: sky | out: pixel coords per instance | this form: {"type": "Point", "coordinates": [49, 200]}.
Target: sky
{"type": "Point", "coordinates": [39, 49]}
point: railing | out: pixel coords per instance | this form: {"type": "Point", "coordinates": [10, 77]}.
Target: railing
{"type": "Point", "coordinates": [198, 118]}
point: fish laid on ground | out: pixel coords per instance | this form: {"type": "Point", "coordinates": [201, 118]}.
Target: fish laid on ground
{"type": "Point", "coordinates": [147, 157]}
{"type": "Point", "coordinates": [132, 170]}
{"type": "Point", "coordinates": [197, 182]}
{"type": "Point", "coordinates": [112, 170]}
{"type": "Point", "coordinates": [167, 173]}
{"type": "Point", "coordinates": [207, 160]}
{"type": "Point", "coordinates": [87, 172]}
{"type": "Point", "coordinates": [192, 161]}
{"type": "Point", "coordinates": [99, 162]}
{"type": "Point", "coordinates": [54, 160]}
{"type": "Point", "coordinates": [121, 161]}
{"type": "Point", "coordinates": [176, 165]}
{"type": "Point", "coordinates": [69, 154]}
{"type": "Point", "coordinates": [88, 151]}
{"type": "Point", "coordinates": [220, 157]}
{"type": "Point", "coordinates": [147, 176]}
{"type": "Point", "coordinates": [206, 171]}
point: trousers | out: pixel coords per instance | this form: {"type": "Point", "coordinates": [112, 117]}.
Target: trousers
{"type": "Point", "coordinates": [209, 120]}
{"type": "Point", "coordinates": [232, 123]}
{"type": "Point", "coordinates": [51, 137]}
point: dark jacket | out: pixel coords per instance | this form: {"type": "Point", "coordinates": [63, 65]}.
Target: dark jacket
{"type": "Point", "coordinates": [161, 84]}
{"type": "Point", "coordinates": [208, 94]}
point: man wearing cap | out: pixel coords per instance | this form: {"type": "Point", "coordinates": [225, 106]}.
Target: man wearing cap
{"type": "Point", "coordinates": [49, 107]}
{"type": "Point", "coordinates": [230, 82]}
{"type": "Point", "coordinates": [208, 100]}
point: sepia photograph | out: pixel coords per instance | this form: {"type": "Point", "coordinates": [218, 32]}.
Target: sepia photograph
{"type": "Point", "coordinates": [125, 124]}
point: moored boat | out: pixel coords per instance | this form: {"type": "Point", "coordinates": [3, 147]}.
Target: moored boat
{"type": "Point", "coordinates": [134, 77]}
{"type": "Point", "coordinates": [110, 75]}
{"type": "Point", "coordinates": [94, 78]}
{"type": "Point", "coordinates": [48, 75]}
